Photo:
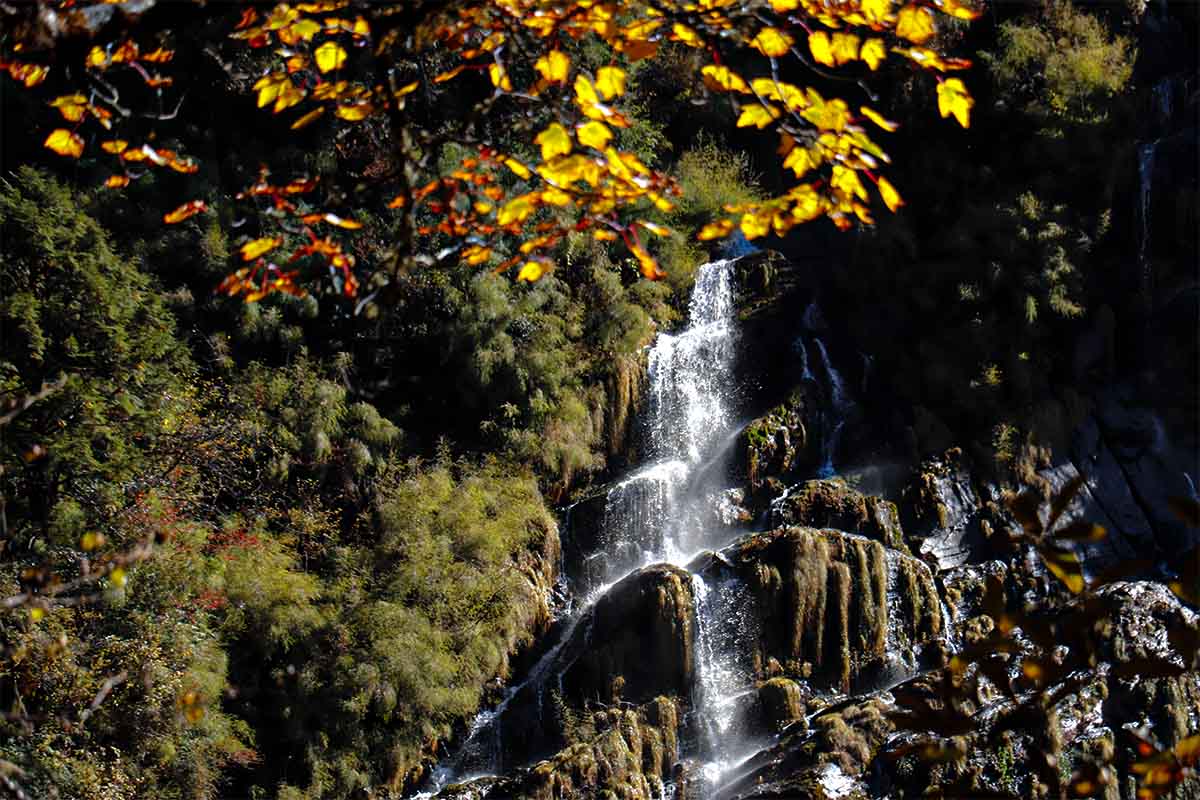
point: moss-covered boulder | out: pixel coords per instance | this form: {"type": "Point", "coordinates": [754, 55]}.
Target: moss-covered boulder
{"type": "Point", "coordinates": [833, 503]}
{"type": "Point", "coordinates": [642, 632]}
{"type": "Point", "coordinates": [617, 753]}
{"type": "Point", "coordinates": [828, 761]}
{"type": "Point", "coordinates": [837, 609]}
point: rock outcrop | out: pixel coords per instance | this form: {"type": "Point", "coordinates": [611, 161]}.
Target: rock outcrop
{"type": "Point", "coordinates": [832, 503]}
{"type": "Point", "coordinates": [823, 600]}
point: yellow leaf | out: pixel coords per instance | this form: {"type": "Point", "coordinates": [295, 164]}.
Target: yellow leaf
{"type": "Point", "coordinates": [71, 106]}
{"type": "Point", "coordinates": [36, 614]}
{"type": "Point", "coordinates": [878, 119]}
{"type": "Point", "coordinates": [555, 196]}
{"type": "Point", "coordinates": [354, 112]}
{"type": "Point", "coordinates": [915, 23]}
{"type": "Point", "coordinates": [956, 9]}
{"type": "Point", "coordinates": [954, 99]}
{"type": "Point", "coordinates": [876, 11]}
{"type": "Point", "coordinates": [755, 224]}
{"type": "Point", "coordinates": [554, 66]}
{"type": "Point", "coordinates": [257, 247]}
{"type": "Point", "coordinates": [330, 56]}
{"type": "Point", "coordinates": [289, 95]}
{"type": "Point", "coordinates": [517, 167]}
{"type": "Point", "coordinates": [92, 540]}
{"type": "Point", "coordinates": [308, 118]}
{"type": "Point", "coordinates": [531, 271]}
{"type": "Point", "coordinates": [874, 51]}
{"type": "Point", "coordinates": [115, 146]}
{"type": "Point", "coordinates": [65, 143]}
{"type": "Point", "coordinates": [594, 134]}
{"type": "Point", "coordinates": [891, 198]}
{"type": "Point", "coordinates": [118, 577]}
{"type": "Point", "coordinates": [821, 47]}
{"type": "Point", "coordinates": [683, 33]}
{"type": "Point", "coordinates": [475, 254]}
{"type": "Point", "coordinates": [799, 161]}
{"type": "Point", "coordinates": [845, 47]}
{"type": "Point", "coordinates": [847, 181]}
{"type": "Point", "coordinates": [758, 115]}
{"type": "Point", "coordinates": [516, 210]}
{"type": "Point", "coordinates": [720, 77]}
{"type": "Point", "coordinates": [585, 93]}
{"type": "Point", "coordinates": [783, 6]}
{"type": "Point", "coordinates": [117, 181]}
{"type": "Point", "coordinates": [268, 87]}
{"type": "Point", "coordinates": [772, 42]}
{"type": "Point", "coordinates": [716, 230]}
{"type": "Point", "coordinates": [499, 77]}
{"type": "Point", "coordinates": [554, 140]}
{"type": "Point", "coordinates": [406, 89]}
{"type": "Point", "coordinates": [610, 82]}
{"type": "Point", "coordinates": [602, 235]}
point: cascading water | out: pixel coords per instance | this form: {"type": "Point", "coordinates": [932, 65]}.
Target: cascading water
{"type": "Point", "coordinates": [1145, 178]}
{"type": "Point", "coordinates": [834, 414]}
{"type": "Point", "coordinates": [655, 516]}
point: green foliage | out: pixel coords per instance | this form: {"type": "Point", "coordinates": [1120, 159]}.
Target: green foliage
{"type": "Point", "coordinates": [71, 306]}
{"type": "Point", "coordinates": [1062, 61]}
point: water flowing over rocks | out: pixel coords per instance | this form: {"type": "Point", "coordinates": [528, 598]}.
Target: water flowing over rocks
{"type": "Point", "coordinates": [735, 621]}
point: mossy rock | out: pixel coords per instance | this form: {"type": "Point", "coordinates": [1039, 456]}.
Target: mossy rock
{"type": "Point", "coordinates": [825, 600]}
{"type": "Point", "coordinates": [833, 503]}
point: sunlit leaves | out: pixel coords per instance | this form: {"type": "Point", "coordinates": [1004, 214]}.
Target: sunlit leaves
{"type": "Point", "coordinates": [516, 210]}
{"type": "Point", "coordinates": [915, 23]}
{"type": "Point", "coordinates": [954, 99]}
{"type": "Point", "coordinates": [531, 271]}
{"type": "Point", "coordinates": [29, 75]}
{"type": "Point", "coordinates": [759, 116]}
{"type": "Point", "coordinates": [259, 247]}
{"type": "Point", "coordinates": [307, 119]}
{"type": "Point", "coordinates": [554, 66]}
{"type": "Point", "coordinates": [878, 118]}
{"type": "Point", "coordinates": [72, 106]}
{"type": "Point", "coordinates": [594, 134]}
{"type": "Point", "coordinates": [610, 82]}
{"type": "Point", "coordinates": [772, 42]}
{"type": "Point", "coordinates": [185, 211]}
{"type": "Point", "coordinates": [329, 56]}
{"type": "Point", "coordinates": [722, 78]}
{"type": "Point", "coordinates": [116, 181]}
{"type": "Point", "coordinates": [891, 198]}
{"type": "Point", "coordinates": [65, 143]}
{"type": "Point", "coordinates": [554, 141]}
{"type": "Point", "coordinates": [873, 52]}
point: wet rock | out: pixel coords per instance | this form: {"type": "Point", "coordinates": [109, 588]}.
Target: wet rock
{"type": "Point", "coordinates": [779, 703]}
{"type": "Point", "coordinates": [836, 608]}
{"type": "Point", "coordinates": [943, 516]}
{"type": "Point", "coordinates": [642, 631]}
{"type": "Point", "coordinates": [828, 760]}
{"type": "Point", "coordinates": [627, 753]}
{"type": "Point", "coordinates": [833, 503]}
{"type": "Point", "coordinates": [775, 448]}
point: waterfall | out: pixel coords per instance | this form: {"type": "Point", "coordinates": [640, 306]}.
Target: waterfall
{"type": "Point", "coordinates": [1145, 177]}
{"type": "Point", "coordinates": [691, 372]}
{"type": "Point", "coordinates": [652, 515]}
{"type": "Point", "coordinates": [834, 415]}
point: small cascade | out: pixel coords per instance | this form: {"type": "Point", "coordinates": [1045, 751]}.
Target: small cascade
{"type": "Point", "coordinates": [1145, 178]}
{"type": "Point", "coordinates": [727, 632]}
{"type": "Point", "coordinates": [834, 414]}
{"type": "Point", "coordinates": [691, 372]}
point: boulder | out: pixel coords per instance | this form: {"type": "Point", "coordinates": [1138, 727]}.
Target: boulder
{"type": "Point", "coordinates": [944, 517]}
{"type": "Point", "coordinates": [833, 503]}
{"type": "Point", "coordinates": [775, 449]}
{"type": "Point", "coordinates": [627, 753]}
{"type": "Point", "coordinates": [836, 609]}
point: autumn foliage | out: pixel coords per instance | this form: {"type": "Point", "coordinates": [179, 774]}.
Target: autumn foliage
{"type": "Point", "coordinates": [347, 64]}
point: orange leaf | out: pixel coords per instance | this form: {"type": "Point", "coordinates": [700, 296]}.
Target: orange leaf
{"type": "Point", "coordinates": [117, 181]}
{"type": "Point", "coordinates": [188, 209]}
{"type": "Point", "coordinates": [308, 118]}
